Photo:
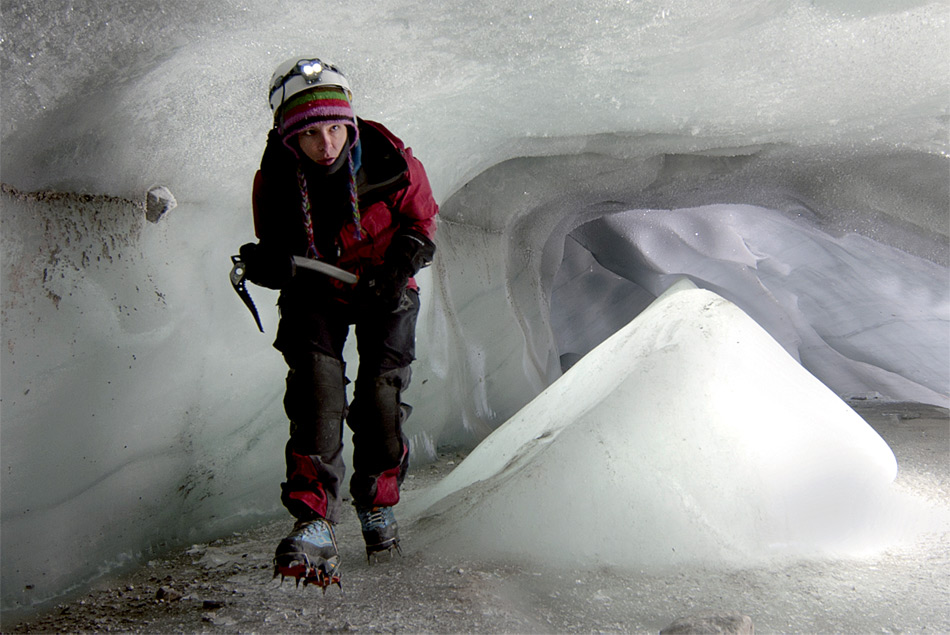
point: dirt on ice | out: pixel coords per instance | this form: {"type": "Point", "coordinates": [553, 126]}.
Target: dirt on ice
{"type": "Point", "coordinates": [227, 587]}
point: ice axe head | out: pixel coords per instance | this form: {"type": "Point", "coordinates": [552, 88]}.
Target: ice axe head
{"type": "Point", "coordinates": [238, 271]}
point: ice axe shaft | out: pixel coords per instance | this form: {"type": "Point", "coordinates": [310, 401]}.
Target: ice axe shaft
{"type": "Point", "coordinates": [239, 272]}
{"type": "Point", "coordinates": [326, 269]}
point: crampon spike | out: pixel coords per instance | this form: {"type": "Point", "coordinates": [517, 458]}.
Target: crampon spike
{"type": "Point", "coordinates": [372, 555]}
{"type": "Point", "coordinates": [323, 580]}
{"type": "Point", "coordinates": [317, 576]}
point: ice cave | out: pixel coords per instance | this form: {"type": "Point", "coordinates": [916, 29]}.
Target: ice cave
{"type": "Point", "coordinates": [784, 160]}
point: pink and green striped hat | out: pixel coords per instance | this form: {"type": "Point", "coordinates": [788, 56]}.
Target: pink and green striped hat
{"type": "Point", "coordinates": [318, 105]}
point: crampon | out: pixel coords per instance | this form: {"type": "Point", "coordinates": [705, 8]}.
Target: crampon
{"type": "Point", "coordinates": [380, 532]}
{"type": "Point", "coordinates": [309, 553]}
{"type": "Point", "coordinates": [299, 567]}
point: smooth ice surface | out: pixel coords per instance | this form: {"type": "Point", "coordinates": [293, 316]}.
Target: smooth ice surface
{"type": "Point", "coordinates": [140, 407]}
{"type": "Point", "coordinates": [687, 436]}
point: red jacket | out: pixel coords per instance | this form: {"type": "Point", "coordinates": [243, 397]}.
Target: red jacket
{"type": "Point", "coordinates": [393, 193]}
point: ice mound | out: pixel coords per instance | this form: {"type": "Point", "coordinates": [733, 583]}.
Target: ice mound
{"type": "Point", "coordinates": [688, 435]}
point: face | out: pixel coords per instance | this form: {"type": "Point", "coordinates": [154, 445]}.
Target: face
{"type": "Point", "coordinates": [324, 142]}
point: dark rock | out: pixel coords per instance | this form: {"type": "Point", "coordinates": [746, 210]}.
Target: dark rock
{"type": "Point", "coordinates": [167, 594]}
{"type": "Point", "coordinates": [725, 623]}
{"type": "Point", "coordinates": [158, 201]}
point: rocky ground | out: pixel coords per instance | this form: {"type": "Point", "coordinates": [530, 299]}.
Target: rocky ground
{"type": "Point", "coordinates": [226, 586]}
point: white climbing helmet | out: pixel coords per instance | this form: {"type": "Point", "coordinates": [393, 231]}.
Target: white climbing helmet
{"type": "Point", "coordinates": [296, 74]}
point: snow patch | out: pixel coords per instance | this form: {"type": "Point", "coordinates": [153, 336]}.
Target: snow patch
{"type": "Point", "coordinates": [689, 435]}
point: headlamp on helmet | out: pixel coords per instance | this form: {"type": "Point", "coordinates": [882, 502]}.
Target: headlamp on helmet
{"type": "Point", "coordinates": [310, 69]}
{"type": "Point", "coordinates": [298, 74]}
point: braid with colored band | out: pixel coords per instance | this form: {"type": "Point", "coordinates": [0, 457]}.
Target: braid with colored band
{"type": "Point", "coordinates": [305, 209]}
{"type": "Point", "coordinates": [354, 201]}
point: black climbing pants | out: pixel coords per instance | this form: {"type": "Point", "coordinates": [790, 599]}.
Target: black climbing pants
{"type": "Point", "coordinates": [311, 337]}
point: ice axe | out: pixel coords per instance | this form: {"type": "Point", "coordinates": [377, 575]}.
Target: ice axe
{"type": "Point", "coordinates": [239, 271]}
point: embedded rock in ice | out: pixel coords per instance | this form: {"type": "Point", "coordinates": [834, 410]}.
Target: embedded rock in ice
{"type": "Point", "coordinates": [689, 435]}
{"type": "Point", "coordinates": [158, 202]}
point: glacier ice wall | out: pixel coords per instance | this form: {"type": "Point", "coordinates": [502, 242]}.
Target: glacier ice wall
{"type": "Point", "coordinates": [139, 405]}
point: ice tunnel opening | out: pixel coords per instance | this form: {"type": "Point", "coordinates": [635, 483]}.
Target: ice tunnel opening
{"type": "Point", "coordinates": [582, 287]}
{"type": "Point", "coordinates": [616, 264]}
{"type": "Point", "coordinates": [829, 300]}
{"type": "Point", "coordinates": [840, 257]}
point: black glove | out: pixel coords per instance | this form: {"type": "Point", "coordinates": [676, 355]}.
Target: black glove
{"type": "Point", "coordinates": [382, 286]}
{"type": "Point", "coordinates": [266, 266]}
{"type": "Point", "coordinates": [412, 249]}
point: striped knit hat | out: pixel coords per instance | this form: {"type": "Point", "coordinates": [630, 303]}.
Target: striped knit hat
{"type": "Point", "coordinates": [305, 110]}
{"type": "Point", "coordinates": [315, 106]}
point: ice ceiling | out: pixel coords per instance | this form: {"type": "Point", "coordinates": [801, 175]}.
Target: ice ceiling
{"type": "Point", "coordinates": [790, 156]}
